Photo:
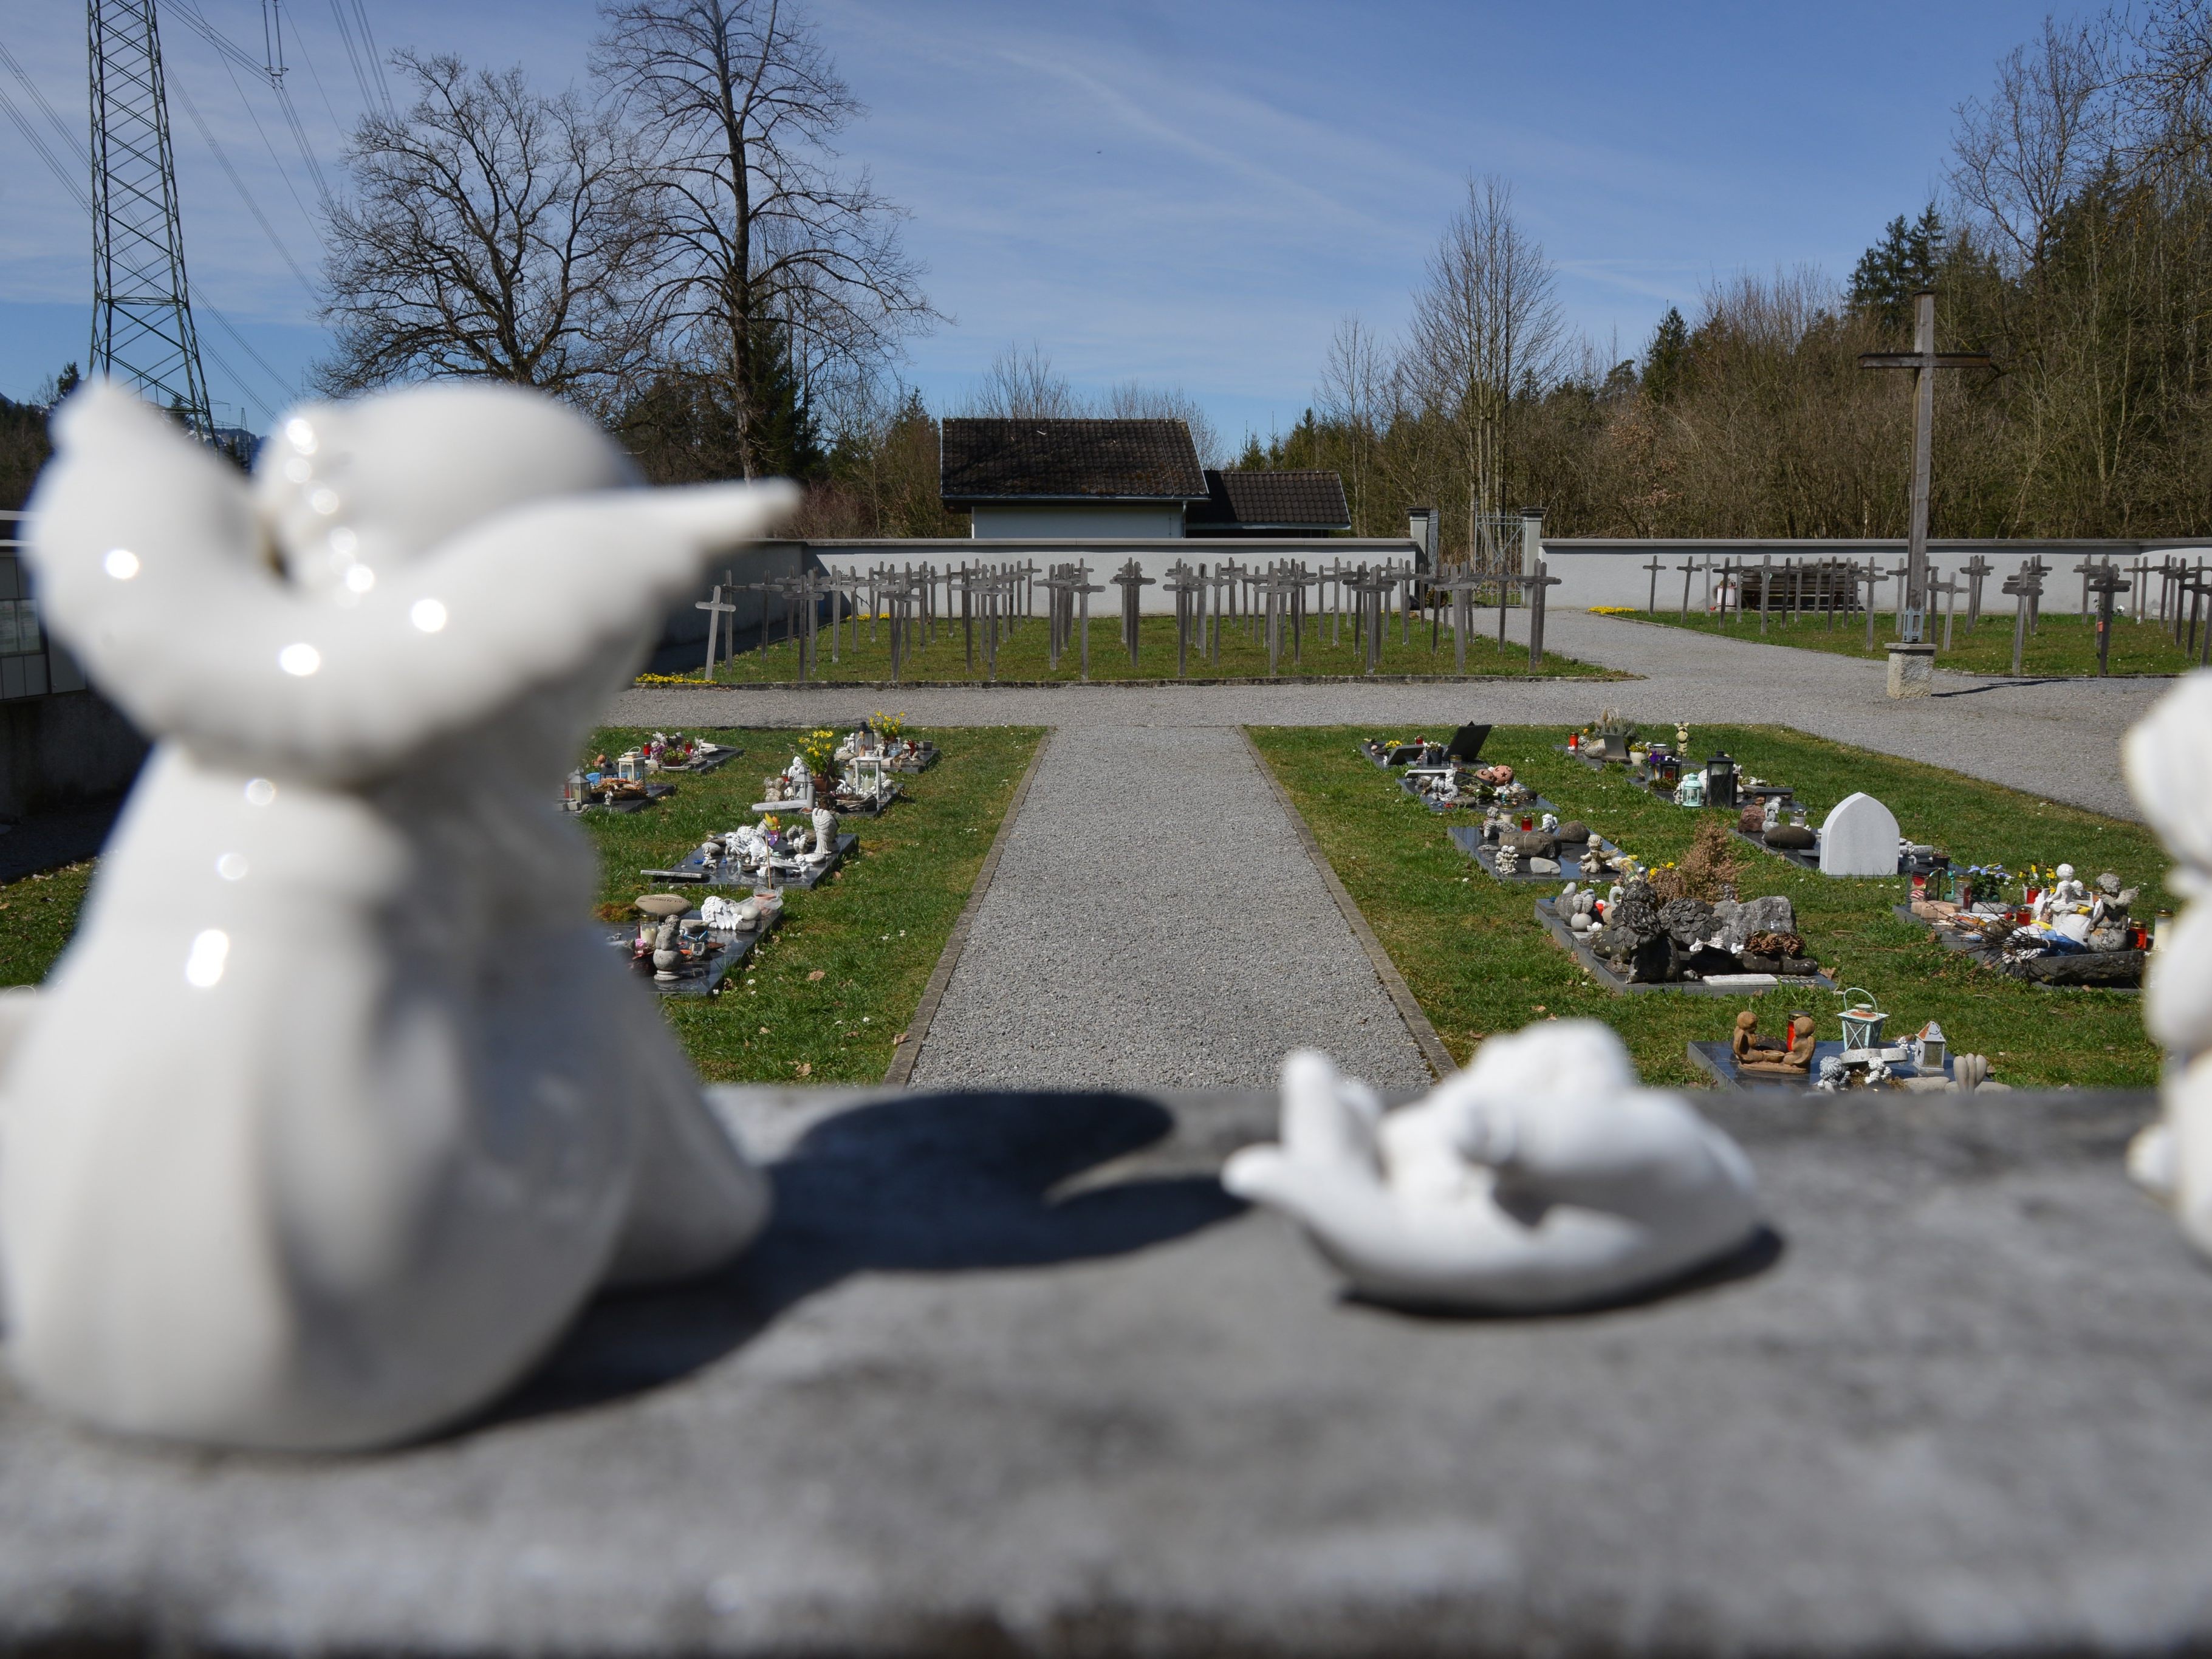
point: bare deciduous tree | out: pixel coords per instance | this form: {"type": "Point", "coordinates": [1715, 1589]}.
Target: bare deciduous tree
{"type": "Point", "coordinates": [764, 246]}
{"type": "Point", "coordinates": [1355, 385]}
{"type": "Point", "coordinates": [1024, 385]}
{"type": "Point", "coordinates": [1133, 401]}
{"type": "Point", "coordinates": [492, 234]}
{"type": "Point", "coordinates": [2022, 154]}
{"type": "Point", "coordinates": [1486, 322]}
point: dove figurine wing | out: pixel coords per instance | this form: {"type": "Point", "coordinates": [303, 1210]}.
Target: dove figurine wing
{"type": "Point", "coordinates": [154, 568]}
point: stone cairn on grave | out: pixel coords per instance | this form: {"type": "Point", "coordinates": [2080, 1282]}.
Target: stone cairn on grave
{"type": "Point", "coordinates": [1651, 940]}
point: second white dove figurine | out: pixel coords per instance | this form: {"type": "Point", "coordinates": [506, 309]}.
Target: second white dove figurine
{"type": "Point", "coordinates": [1542, 1178]}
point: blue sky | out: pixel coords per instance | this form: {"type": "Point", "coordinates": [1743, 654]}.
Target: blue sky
{"type": "Point", "coordinates": [1188, 195]}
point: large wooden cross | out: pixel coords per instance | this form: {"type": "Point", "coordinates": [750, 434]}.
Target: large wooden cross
{"type": "Point", "coordinates": [1924, 360]}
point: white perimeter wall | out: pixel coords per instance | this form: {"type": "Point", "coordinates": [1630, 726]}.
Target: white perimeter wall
{"type": "Point", "coordinates": [1595, 578]}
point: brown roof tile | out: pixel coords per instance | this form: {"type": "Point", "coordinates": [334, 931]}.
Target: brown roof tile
{"type": "Point", "coordinates": [1067, 460]}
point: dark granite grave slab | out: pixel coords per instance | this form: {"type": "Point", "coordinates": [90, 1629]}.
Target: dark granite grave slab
{"type": "Point", "coordinates": [726, 874]}
{"type": "Point", "coordinates": [1467, 837]}
{"type": "Point", "coordinates": [1596, 764]}
{"type": "Point", "coordinates": [1606, 974]}
{"type": "Point", "coordinates": [1719, 1059]}
{"type": "Point", "coordinates": [654, 795]}
{"type": "Point", "coordinates": [697, 979]}
{"type": "Point", "coordinates": [1803, 858]}
{"type": "Point", "coordinates": [874, 809]}
{"type": "Point", "coordinates": [1008, 1375]}
{"type": "Point", "coordinates": [705, 763]}
{"type": "Point", "coordinates": [1992, 957]}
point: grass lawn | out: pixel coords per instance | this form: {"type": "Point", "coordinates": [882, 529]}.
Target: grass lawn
{"type": "Point", "coordinates": [822, 999]}
{"type": "Point", "coordinates": [872, 932]}
{"type": "Point", "coordinates": [1024, 655]}
{"type": "Point", "coordinates": [1478, 961]}
{"type": "Point", "coordinates": [2060, 645]}
{"type": "Point", "coordinates": [38, 913]}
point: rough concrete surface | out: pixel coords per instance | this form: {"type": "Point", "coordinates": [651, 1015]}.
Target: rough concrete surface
{"type": "Point", "coordinates": [2057, 738]}
{"type": "Point", "coordinates": [1010, 1374]}
{"type": "Point", "coordinates": [1155, 922]}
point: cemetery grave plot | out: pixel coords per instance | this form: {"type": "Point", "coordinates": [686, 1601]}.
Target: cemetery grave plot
{"type": "Point", "coordinates": [727, 872]}
{"type": "Point", "coordinates": [1731, 982]}
{"type": "Point", "coordinates": [2120, 971]}
{"type": "Point", "coordinates": [1478, 963]}
{"type": "Point", "coordinates": [1468, 838]}
{"type": "Point", "coordinates": [1718, 1061]}
{"type": "Point", "coordinates": [708, 953]}
{"type": "Point", "coordinates": [628, 797]}
{"type": "Point", "coordinates": [837, 981]}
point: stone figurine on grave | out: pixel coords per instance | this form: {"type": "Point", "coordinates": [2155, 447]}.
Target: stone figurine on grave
{"type": "Point", "coordinates": [1432, 1206]}
{"type": "Point", "coordinates": [825, 833]}
{"type": "Point", "coordinates": [357, 1166]}
{"type": "Point", "coordinates": [1859, 838]}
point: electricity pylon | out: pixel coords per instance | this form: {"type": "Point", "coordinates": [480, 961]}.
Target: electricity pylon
{"type": "Point", "coordinates": [142, 312]}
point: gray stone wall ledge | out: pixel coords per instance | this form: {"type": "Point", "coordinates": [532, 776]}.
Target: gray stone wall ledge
{"type": "Point", "coordinates": [1011, 1374]}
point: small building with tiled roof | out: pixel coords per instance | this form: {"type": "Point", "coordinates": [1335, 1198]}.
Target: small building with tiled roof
{"type": "Point", "coordinates": [1057, 477]}
{"type": "Point", "coordinates": [1074, 478]}
{"type": "Point", "coordinates": [1307, 502]}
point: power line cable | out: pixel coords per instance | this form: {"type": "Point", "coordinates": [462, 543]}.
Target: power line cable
{"type": "Point", "coordinates": [37, 140]}
{"type": "Point", "coordinates": [287, 391]}
{"type": "Point", "coordinates": [253, 206]}
{"type": "Point", "coordinates": [71, 139]}
{"type": "Point", "coordinates": [375, 60]}
{"type": "Point", "coordinates": [353, 55]}
{"type": "Point", "coordinates": [233, 54]}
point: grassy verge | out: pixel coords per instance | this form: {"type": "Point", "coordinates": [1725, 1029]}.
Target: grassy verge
{"type": "Point", "coordinates": [834, 985]}
{"type": "Point", "coordinates": [1478, 961]}
{"type": "Point", "coordinates": [1024, 655]}
{"type": "Point", "coordinates": [824, 997]}
{"type": "Point", "coordinates": [38, 913]}
{"type": "Point", "coordinates": [2061, 645]}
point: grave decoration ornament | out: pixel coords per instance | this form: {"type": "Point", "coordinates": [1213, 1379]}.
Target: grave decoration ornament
{"type": "Point", "coordinates": [386, 1114]}
{"type": "Point", "coordinates": [1542, 1178]}
{"type": "Point", "coordinates": [2169, 766]}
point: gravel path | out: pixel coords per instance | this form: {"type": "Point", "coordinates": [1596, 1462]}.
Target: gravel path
{"type": "Point", "coordinates": [2057, 738]}
{"type": "Point", "coordinates": [1155, 922]}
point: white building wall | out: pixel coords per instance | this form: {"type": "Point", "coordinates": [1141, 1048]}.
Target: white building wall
{"type": "Point", "coordinates": [1019, 520]}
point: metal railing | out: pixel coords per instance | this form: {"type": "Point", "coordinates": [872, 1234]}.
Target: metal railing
{"type": "Point", "coordinates": [31, 665]}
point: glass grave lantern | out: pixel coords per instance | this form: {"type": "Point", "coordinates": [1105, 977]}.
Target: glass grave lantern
{"type": "Point", "coordinates": [573, 793]}
{"type": "Point", "coordinates": [1720, 781]}
{"type": "Point", "coordinates": [629, 766]}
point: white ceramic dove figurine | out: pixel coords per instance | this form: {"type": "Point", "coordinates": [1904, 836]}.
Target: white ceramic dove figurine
{"type": "Point", "coordinates": [1541, 1178]}
{"type": "Point", "coordinates": [2169, 765]}
{"type": "Point", "coordinates": [339, 1107]}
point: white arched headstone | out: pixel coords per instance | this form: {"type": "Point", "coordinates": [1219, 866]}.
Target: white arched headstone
{"type": "Point", "coordinates": [1860, 838]}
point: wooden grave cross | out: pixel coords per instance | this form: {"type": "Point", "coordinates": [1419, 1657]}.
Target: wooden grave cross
{"type": "Point", "coordinates": [715, 607]}
{"type": "Point", "coordinates": [2105, 582]}
{"type": "Point", "coordinates": [2026, 586]}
